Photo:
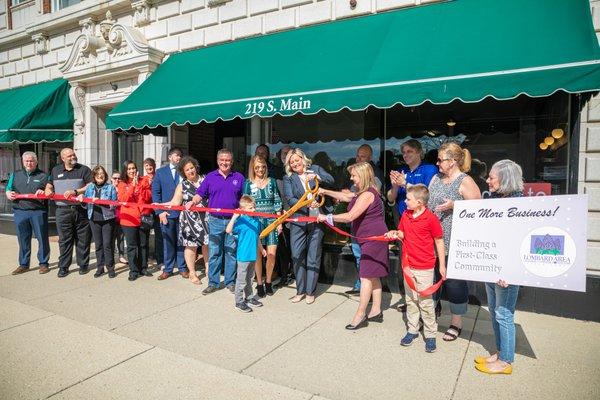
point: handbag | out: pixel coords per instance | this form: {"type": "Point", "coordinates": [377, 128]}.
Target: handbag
{"type": "Point", "coordinates": [147, 221]}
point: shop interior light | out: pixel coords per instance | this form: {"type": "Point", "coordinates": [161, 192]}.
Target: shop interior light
{"type": "Point", "coordinates": [543, 146]}
{"type": "Point", "coordinates": [557, 133]}
{"type": "Point", "coordinates": [549, 140]}
{"type": "Point", "coordinates": [451, 122]}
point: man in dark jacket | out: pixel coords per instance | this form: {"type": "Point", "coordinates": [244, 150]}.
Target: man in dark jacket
{"type": "Point", "coordinates": [31, 216]}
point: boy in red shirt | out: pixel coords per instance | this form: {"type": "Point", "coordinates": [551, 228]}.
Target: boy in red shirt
{"type": "Point", "coordinates": [419, 230]}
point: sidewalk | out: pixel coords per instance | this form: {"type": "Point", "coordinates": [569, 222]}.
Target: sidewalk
{"type": "Point", "coordinates": [81, 337]}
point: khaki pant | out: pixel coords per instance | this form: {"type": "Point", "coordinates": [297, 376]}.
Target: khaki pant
{"type": "Point", "coordinates": [420, 306]}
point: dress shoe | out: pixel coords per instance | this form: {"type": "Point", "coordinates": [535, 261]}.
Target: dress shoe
{"type": "Point", "coordinates": [99, 273]}
{"type": "Point", "coordinates": [363, 322]}
{"type": "Point", "coordinates": [83, 270]}
{"type": "Point", "coordinates": [184, 274]}
{"type": "Point", "coordinates": [163, 276]}
{"type": "Point", "coordinates": [44, 269]}
{"type": "Point", "coordinates": [484, 368]}
{"type": "Point", "coordinates": [376, 318]}
{"type": "Point", "coordinates": [112, 274]}
{"type": "Point", "coordinates": [62, 273]}
{"type": "Point", "coordinates": [145, 272]}
{"type": "Point", "coordinates": [20, 270]}
{"type": "Point", "coordinates": [353, 292]}
{"type": "Point", "coordinates": [297, 298]}
{"type": "Point", "coordinates": [132, 278]}
{"type": "Point", "coordinates": [209, 289]}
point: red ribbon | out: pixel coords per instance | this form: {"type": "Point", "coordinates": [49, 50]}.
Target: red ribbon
{"type": "Point", "coordinates": [405, 263]}
{"type": "Point", "coordinates": [411, 283]}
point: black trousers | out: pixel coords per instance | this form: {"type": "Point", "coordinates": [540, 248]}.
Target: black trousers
{"type": "Point", "coordinates": [118, 239]}
{"type": "Point", "coordinates": [283, 256]}
{"type": "Point", "coordinates": [135, 238]}
{"type": "Point", "coordinates": [102, 232]}
{"type": "Point", "coordinates": [73, 228]}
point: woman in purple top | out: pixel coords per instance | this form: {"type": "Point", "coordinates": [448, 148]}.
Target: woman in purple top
{"type": "Point", "coordinates": [365, 211]}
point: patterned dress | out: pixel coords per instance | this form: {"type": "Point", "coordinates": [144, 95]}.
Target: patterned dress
{"type": "Point", "coordinates": [439, 192]}
{"type": "Point", "coordinates": [192, 226]}
{"type": "Point", "coordinates": [267, 200]}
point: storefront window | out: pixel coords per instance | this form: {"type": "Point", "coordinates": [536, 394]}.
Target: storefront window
{"type": "Point", "coordinates": [330, 140]}
{"type": "Point", "coordinates": [530, 131]}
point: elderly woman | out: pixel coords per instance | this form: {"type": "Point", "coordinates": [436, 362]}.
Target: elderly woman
{"type": "Point", "coordinates": [451, 184]}
{"type": "Point", "coordinates": [505, 180]}
{"type": "Point", "coordinates": [266, 195]}
{"type": "Point", "coordinates": [306, 238]}
{"type": "Point", "coordinates": [365, 211]}
{"type": "Point", "coordinates": [193, 232]}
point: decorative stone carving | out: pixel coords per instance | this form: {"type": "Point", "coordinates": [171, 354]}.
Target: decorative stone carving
{"type": "Point", "coordinates": [41, 42]}
{"type": "Point", "coordinates": [141, 12]}
{"type": "Point", "coordinates": [77, 97]}
{"type": "Point", "coordinates": [106, 25]}
{"type": "Point", "coordinates": [88, 26]}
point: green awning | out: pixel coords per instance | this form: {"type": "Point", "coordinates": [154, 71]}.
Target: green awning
{"type": "Point", "coordinates": [462, 49]}
{"type": "Point", "coordinates": [37, 113]}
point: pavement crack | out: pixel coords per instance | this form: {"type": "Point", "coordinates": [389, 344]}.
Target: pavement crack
{"type": "Point", "coordinates": [462, 363]}
{"type": "Point", "coordinates": [243, 370]}
{"type": "Point", "coordinates": [28, 322]}
{"type": "Point", "coordinates": [99, 372]}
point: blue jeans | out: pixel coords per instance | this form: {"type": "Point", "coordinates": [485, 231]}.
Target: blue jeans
{"type": "Point", "coordinates": [502, 302]}
{"type": "Point", "coordinates": [28, 222]}
{"type": "Point", "coordinates": [220, 245]}
{"type": "Point", "coordinates": [356, 251]}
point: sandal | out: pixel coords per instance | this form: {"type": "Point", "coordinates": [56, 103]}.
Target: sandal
{"type": "Point", "coordinates": [450, 332]}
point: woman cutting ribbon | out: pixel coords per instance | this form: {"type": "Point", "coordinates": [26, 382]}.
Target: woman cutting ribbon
{"type": "Point", "coordinates": [305, 238]}
{"type": "Point", "coordinates": [365, 211]}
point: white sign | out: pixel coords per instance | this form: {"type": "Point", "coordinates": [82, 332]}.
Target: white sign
{"type": "Point", "coordinates": [529, 241]}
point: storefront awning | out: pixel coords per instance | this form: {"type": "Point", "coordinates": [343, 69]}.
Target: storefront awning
{"type": "Point", "coordinates": [462, 49]}
{"type": "Point", "coordinates": [37, 113]}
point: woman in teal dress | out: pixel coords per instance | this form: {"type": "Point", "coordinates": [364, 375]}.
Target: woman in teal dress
{"type": "Point", "coordinates": [264, 190]}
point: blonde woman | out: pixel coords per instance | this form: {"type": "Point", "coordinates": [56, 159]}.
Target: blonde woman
{"type": "Point", "coordinates": [305, 238]}
{"type": "Point", "coordinates": [365, 212]}
{"type": "Point", "coordinates": [451, 184]}
{"type": "Point", "coordinates": [266, 195]}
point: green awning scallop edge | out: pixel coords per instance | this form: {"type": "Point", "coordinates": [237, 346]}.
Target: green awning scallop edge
{"type": "Point", "coordinates": [463, 49]}
{"type": "Point", "coordinates": [37, 113]}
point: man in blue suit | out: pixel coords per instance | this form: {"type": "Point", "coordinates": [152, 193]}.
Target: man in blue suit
{"type": "Point", "coordinates": [163, 187]}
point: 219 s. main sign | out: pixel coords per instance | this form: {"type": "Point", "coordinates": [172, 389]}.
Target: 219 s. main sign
{"type": "Point", "coordinates": [530, 241]}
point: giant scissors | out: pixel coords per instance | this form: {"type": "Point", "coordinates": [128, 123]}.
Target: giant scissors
{"type": "Point", "coordinates": [304, 201]}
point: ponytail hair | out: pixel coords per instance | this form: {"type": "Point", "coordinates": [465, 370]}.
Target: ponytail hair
{"type": "Point", "coordinates": [458, 154]}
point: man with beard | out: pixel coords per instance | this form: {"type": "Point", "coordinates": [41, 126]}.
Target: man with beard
{"type": "Point", "coordinates": [70, 179]}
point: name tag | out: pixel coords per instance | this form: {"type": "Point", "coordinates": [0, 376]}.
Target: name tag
{"type": "Point", "coordinates": [60, 175]}
{"type": "Point", "coordinates": [36, 180]}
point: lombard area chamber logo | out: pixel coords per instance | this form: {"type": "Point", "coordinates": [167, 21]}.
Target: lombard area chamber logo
{"type": "Point", "coordinates": [548, 251]}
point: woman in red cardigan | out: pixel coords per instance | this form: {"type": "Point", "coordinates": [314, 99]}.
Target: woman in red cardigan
{"type": "Point", "coordinates": [134, 190]}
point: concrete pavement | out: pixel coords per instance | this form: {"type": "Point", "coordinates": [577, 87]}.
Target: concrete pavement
{"type": "Point", "coordinates": [81, 337]}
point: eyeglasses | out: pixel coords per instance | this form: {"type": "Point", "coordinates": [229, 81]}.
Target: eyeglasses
{"type": "Point", "coordinates": [440, 160]}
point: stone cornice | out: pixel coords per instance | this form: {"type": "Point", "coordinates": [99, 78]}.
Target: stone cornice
{"type": "Point", "coordinates": [62, 20]}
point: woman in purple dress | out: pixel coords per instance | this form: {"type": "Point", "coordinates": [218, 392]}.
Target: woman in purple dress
{"type": "Point", "coordinates": [365, 211]}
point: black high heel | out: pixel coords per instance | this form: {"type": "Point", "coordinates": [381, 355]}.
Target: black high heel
{"type": "Point", "coordinates": [376, 318]}
{"type": "Point", "coordinates": [363, 323]}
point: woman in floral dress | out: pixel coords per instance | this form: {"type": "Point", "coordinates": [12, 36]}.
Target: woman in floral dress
{"type": "Point", "coordinates": [193, 231]}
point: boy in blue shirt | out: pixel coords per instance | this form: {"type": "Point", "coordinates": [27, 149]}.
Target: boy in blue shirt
{"type": "Point", "coordinates": [247, 230]}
